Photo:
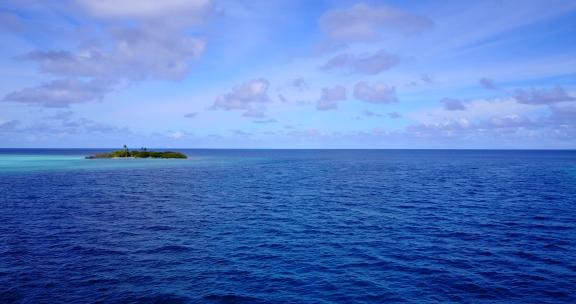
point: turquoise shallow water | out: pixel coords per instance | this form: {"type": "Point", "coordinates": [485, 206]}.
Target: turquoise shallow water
{"type": "Point", "coordinates": [34, 161]}
{"type": "Point", "coordinates": [289, 226]}
{"type": "Point", "coordinates": [31, 163]}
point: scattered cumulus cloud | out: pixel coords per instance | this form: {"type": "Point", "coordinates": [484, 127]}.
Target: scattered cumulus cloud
{"type": "Point", "coordinates": [125, 41]}
{"type": "Point", "coordinates": [452, 104]}
{"type": "Point", "coordinates": [476, 109]}
{"type": "Point", "coordinates": [439, 129]}
{"type": "Point", "coordinates": [132, 46]}
{"type": "Point", "coordinates": [244, 96]}
{"type": "Point", "coordinates": [497, 118]}
{"type": "Point", "coordinates": [137, 54]}
{"type": "Point", "coordinates": [370, 23]}
{"type": "Point", "coordinates": [497, 126]}
{"type": "Point", "coordinates": [367, 64]}
{"type": "Point", "coordinates": [330, 98]}
{"type": "Point", "coordinates": [375, 93]}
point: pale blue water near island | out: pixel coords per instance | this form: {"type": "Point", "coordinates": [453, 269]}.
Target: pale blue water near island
{"type": "Point", "coordinates": [289, 226]}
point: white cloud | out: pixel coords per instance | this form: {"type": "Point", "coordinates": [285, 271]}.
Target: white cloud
{"type": "Point", "coordinates": [176, 134]}
{"type": "Point", "coordinates": [479, 109]}
{"type": "Point", "coordinates": [127, 51]}
{"type": "Point", "coordinates": [369, 64]}
{"type": "Point", "coordinates": [244, 96]}
{"type": "Point", "coordinates": [545, 127]}
{"type": "Point", "coordinates": [62, 93]}
{"type": "Point", "coordinates": [136, 54]}
{"type": "Point", "coordinates": [497, 118]}
{"type": "Point", "coordinates": [376, 93]}
{"type": "Point", "coordinates": [365, 23]}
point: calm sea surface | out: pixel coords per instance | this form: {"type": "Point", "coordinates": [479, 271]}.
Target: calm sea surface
{"type": "Point", "coordinates": [289, 226]}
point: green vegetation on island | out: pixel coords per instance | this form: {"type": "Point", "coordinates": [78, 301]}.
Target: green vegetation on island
{"type": "Point", "coordinates": [142, 153]}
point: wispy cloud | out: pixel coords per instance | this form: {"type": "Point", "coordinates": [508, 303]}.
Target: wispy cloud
{"type": "Point", "coordinates": [368, 64]}
{"type": "Point", "coordinates": [62, 93]}
{"type": "Point", "coordinates": [543, 96]}
{"type": "Point", "coordinates": [370, 23]}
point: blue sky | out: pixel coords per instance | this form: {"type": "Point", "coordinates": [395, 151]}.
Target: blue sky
{"type": "Point", "coordinates": [288, 74]}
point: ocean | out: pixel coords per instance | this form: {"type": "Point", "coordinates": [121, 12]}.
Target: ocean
{"type": "Point", "coordinates": [289, 226]}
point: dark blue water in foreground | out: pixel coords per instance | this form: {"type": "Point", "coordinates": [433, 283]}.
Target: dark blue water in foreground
{"type": "Point", "coordinates": [289, 227]}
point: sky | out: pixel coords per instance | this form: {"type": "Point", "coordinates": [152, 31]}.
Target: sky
{"type": "Point", "coordinates": [430, 74]}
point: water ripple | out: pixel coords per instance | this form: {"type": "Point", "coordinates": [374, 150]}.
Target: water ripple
{"type": "Point", "coordinates": [295, 227]}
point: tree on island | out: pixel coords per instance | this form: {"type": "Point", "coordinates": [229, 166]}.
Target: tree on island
{"type": "Point", "coordinates": [142, 153]}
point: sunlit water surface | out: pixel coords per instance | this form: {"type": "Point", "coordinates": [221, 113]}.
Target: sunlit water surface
{"type": "Point", "coordinates": [289, 226]}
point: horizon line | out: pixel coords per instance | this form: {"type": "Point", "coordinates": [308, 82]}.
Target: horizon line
{"type": "Point", "coordinates": [180, 148]}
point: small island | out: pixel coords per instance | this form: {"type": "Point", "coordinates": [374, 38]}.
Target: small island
{"type": "Point", "coordinates": [142, 153]}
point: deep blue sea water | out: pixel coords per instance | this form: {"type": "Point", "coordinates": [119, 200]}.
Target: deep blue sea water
{"type": "Point", "coordinates": [289, 226]}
